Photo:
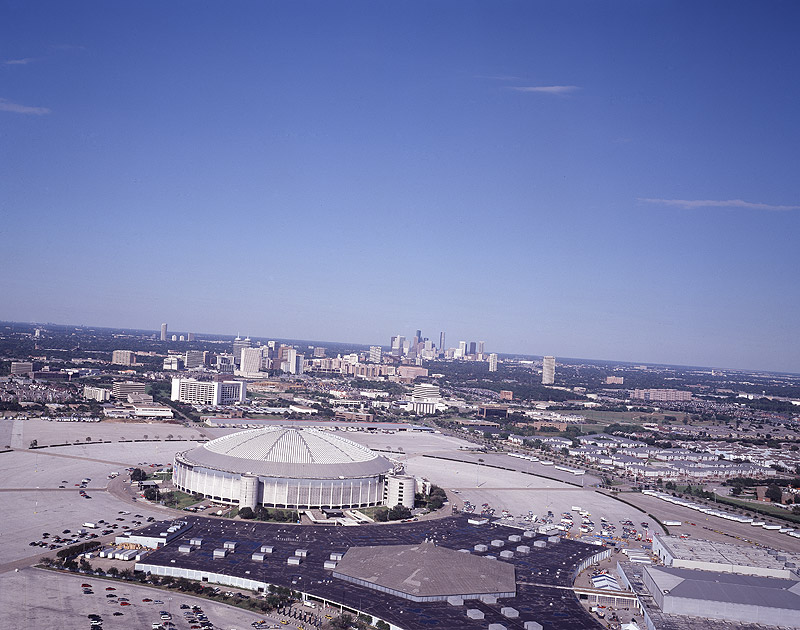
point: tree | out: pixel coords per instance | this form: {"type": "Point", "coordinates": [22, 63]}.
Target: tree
{"type": "Point", "coordinates": [34, 444]}
{"type": "Point", "coordinates": [773, 493]}
{"type": "Point", "coordinates": [151, 494]}
{"type": "Point", "coordinates": [381, 515]}
{"type": "Point", "coordinates": [399, 512]}
{"type": "Point", "coordinates": [247, 512]}
{"type": "Point", "coordinates": [137, 474]}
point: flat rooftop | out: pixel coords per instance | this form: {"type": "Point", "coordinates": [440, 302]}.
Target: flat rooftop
{"type": "Point", "coordinates": [427, 571]}
{"type": "Point", "coordinates": [726, 553]}
{"type": "Point", "coordinates": [668, 621]}
{"type": "Point", "coordinates": [715, 586]}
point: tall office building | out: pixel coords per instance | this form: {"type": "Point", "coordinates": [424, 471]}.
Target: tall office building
{"type": "Point", "coordinates": [473, 347]}
{"type": "Point", "coordinates": [493, 362]}
{"type": "Point", "coordinates": [189, 390]}
{"type": "Point", "coordinates": [548, 370]}
{"type": "Point", "coordinates": [121, 389]}
{"type": "Point", "coordinates": [123, 357]}
{"type": "Point", "coordinates": [96, 393]}
{"type": "Point", "coordinates": [294, 362]}
{"type": "Point", "coordinates": [398, 343]}
{"type": "Point", "coordinates": [21, 367]}
{"type": "Point", "coordinates": [238, 344]}
{"type": "Point", "coordinates": [193, 359]}
{"type": "Point", "coordinates": [163, 332]}
{"type": "Point", "coordinates": [481, 345]}
{"type": "Point", "coordinates": [174, 362]}
{"type": "Point", "coordinates": [425, 397]}
{"type": "Point", "coordinates": [225, 363]}
{"type": "Point", "coordinates": [441, 342]}
{"type": "Point", "coordinates": [462, 349]}
{"type": "Point", "coordinates": [250, 360]}
{"type": "Point", "coordinates": [190, 336]}
{"type": "Point", "coordinates": [290, 363]}
{"type": "Point", "coordinates": [375, 354]}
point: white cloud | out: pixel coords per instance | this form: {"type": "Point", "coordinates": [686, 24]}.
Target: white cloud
{"type": "Point", "coordinates": [8, 106]}
{"type": "Point", "coordinates": [546, 89]}
{"type": "Point", "coordinates": [19, 62]}
{"type": "Point", "coordinates": [693, 204]}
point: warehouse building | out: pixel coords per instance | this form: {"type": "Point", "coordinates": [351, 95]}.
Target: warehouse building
{"type": "Point", "coordinates": [708, 555]}
{"type": "Point", "coordinates": [715, 595]}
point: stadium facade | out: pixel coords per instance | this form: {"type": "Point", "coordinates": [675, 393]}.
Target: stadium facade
{"type": "Point", "coordinates": [285, 467]}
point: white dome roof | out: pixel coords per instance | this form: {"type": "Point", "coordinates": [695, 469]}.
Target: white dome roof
{"type": "Point", "coordinates": [288, 452]}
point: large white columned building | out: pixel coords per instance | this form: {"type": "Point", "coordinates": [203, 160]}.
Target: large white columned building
{"type": "Point", "coordinates": [284, 468]}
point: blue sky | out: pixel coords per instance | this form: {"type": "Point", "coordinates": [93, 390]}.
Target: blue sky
{"type": "Point", "coordinates": [609, 180]}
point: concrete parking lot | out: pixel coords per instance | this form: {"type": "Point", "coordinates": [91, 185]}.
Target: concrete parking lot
{"type": "Point", "coordinates": [37, 598]}
{"type": "Point", "coordinates": [34, 503]}
{"type": "Point", "coordinates": [18, 433]}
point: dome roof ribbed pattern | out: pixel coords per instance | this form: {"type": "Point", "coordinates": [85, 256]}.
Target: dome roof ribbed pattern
{"type": "Point", "coordinates": [287, 452]}
{"type": "Point", "coordinates": [288, 445]}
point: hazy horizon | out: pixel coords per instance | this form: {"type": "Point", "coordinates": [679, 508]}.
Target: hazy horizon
{"type": "Point", "coordinates": [385, 344]}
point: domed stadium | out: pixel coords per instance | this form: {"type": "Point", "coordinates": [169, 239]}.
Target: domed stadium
{"type": "Point", "coordinates": [284, 468]}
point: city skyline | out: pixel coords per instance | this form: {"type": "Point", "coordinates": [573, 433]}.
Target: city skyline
{"type": "Point", "coordinates": [612, 181]}
{"type": "Point", "coordinates": [221, 336]}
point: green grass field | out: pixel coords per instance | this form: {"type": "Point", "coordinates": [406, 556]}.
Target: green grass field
{"type": "Point", "coordinates": [183, 500]}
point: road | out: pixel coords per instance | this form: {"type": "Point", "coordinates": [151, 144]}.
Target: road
{"type": "Point", "coordinates": [711, 527]}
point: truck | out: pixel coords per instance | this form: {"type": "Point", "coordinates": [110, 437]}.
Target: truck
{"type": "Point", "coordinates": [88, 525]}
